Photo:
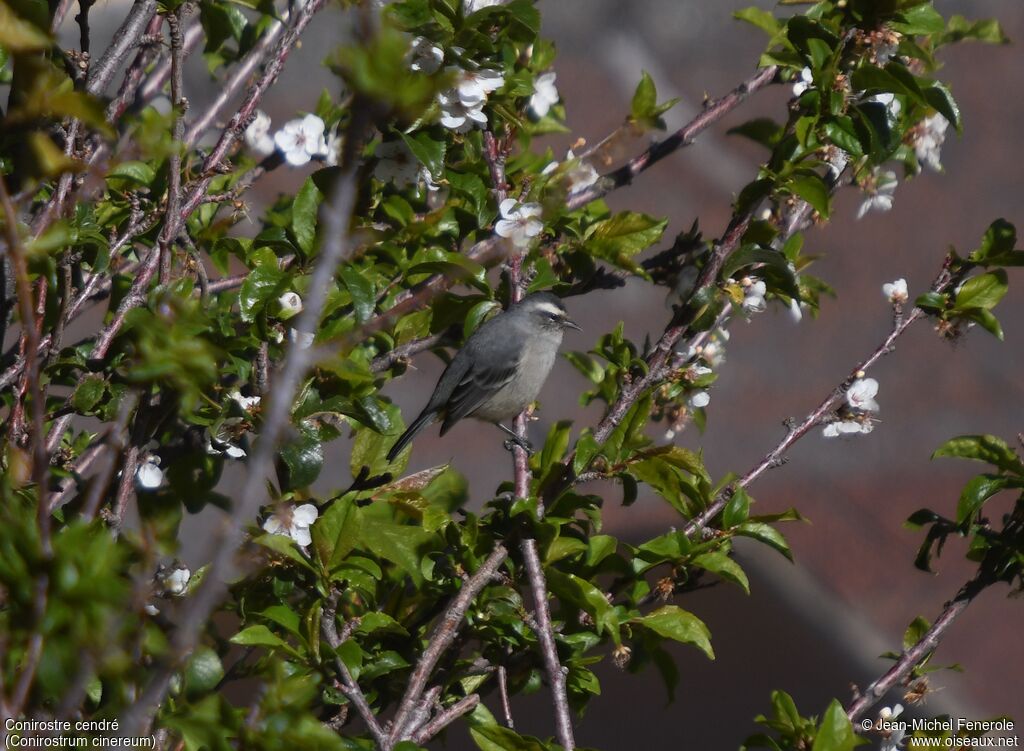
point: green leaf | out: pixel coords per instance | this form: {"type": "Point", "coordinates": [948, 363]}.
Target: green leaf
{"type": "Point", "coordinates": [999, 241]}
{"type": "Point", "coordinates": [644, 109]}
{"type": "Point", "coordinates": [304, 458]}
{"type": "Point", "coordinates": [304, 214]}
{"type": "Point", "coordinates": [760, 18]}
{"type": "Point", "coordinates": [766, 534]}
{"type": "Point", "coordinates": [720, 563]}
{"type": "Point", "coordinates": [923, 19]}
{"type": "Point", "coordinates": [258, 636]}
{"type": "Point", "coordinates": [982, 291]}
{"type": "Point", "coordinates": [621, 237]}
{"type": "Point", "coordinates": [336, 532]}
{"type": "Point", "coordinates": [401, 544]}
{"type": "Point", "coordinates": [983, 448]}
{"type": "Point", "coordinates": [586, 597]}
{"type": "Point", "coordinates": [18, 35]}
{"type": "Point", "coordinates": [428, 151]}
{"type": "Point", "coordinates": [940, 98]}
{"type": "Point", "coordinates": [836, 731]}
{"type": "Point", "coordinates": [140, 173]}
{"type": "Point", "coordinates": [986, 30]}
{"type": "Point", "coordinates": [88, 393]}
{"type": "Point", "coordinates": [737, 509]}
{"type": "Point", "coordinates": [203, 672]}
{"type": "Point", "coordinates": [497, 738]}
{"type": "Point", "coordinates": [364, 295]}
{"type": "Point", "coordinates": [677, 624]}
{"type": "Point", "coordinates": [986, 320]}
{"type": "Point", "coordinates": [263, 284]}
{"type": "Point", "coordinates": [812, 189]}
{"type": "Point", "coordinates": [915, 632]}
{"type": "Point", "coordinates": [978, 490]}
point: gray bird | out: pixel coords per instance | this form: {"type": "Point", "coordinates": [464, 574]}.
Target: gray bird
{"type": "Point", "coordinates": [500, 369]}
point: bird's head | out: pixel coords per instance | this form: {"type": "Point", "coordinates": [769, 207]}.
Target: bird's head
{"type": "Point", "coordinates": [546, 311]}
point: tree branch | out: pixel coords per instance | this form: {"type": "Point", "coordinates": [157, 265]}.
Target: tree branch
{"type": "Point", "coordinates": [445, 718]}
{"type": "Point", "coordinates": [349, 687]}
{"type": "Point", "coordinates": [913, 656]}
{"type": "Point", "coordinates": [441, 639]}
{"type": "Point", "coordinates": [773, 458]}
{"type": "Point", "coordinates": [713, 112]}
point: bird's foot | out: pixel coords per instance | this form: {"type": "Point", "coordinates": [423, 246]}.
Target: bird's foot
{"type": "Point", "coordinates": [525, 445]}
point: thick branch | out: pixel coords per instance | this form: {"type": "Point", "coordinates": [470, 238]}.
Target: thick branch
{"type": "Point", "coordinates": [125, 40]}
{"type": "Point", "coordinates": [445, 718]}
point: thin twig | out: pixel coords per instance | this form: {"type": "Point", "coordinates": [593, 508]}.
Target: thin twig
{"type": "Point", "coordinates": [445, 718]}
{"type": "Point", "coordinates": [403, 352]}
{"type": "Point", "coordinates": [774, 457]}
{"type": "Point", "coordinates": [124, 41]}
{"type": "Point", "coordinates": [440, 640]}
{"type": "Point", "coordinates": [506, 706]}
{"type": "Point", "coordinates": [712, 113]}
{"type": "Point", "coordinates": [329, 628]}
{"type": "Point", "coordinates": [925, 645]}
{"type": "Point", "coordinates": [30, 333]}
{"type": "Point", "coordinates": [170, 229]}
{"type": "Point", "coordinates": [238, 79]}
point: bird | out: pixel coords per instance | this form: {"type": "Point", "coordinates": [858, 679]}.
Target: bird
{"type": "Point", "coordinates": [500, 369]}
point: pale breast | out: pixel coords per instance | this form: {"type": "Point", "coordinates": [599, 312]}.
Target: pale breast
{"type": "Point", "coordinates": [534, 367]}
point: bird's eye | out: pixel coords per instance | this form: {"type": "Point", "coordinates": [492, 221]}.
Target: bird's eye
{"type": "Point", "coordinates": [552, 317]}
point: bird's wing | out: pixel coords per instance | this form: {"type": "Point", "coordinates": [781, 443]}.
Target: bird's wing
{"type": "Point", "coordinates": [475, 388]}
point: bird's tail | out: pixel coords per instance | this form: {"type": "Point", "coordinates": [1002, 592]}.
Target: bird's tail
{"type": "Point", "coordinates": [418, 424]}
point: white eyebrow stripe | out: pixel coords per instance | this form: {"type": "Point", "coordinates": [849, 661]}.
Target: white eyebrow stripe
{"type": "Point", "coordinates": [551, 308]}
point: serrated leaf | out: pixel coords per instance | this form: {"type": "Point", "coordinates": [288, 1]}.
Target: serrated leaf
{"type": "Point", "coordinates": [812, 189]}
{"type": "Point", "coordinates": [621, 237]}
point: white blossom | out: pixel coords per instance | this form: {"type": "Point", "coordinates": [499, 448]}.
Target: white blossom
{"type": "Point", "coordinates": [301, 140]}
{"type": "Point", "coordinates": [519, 221]}
{"type": "Point", "coordinates": [176, 581]}
{"type": "Point", "coordinates": [804, 82]}
{"type": "Point", "coordinates": [545, 95]}
{"type": "Point", "coordinates": [579, 176]}
{"type": "Point", "coordinates": [293, 522]}
{"type": "Point", "coordinates": [753, 294]}
{"type": "Point", "coordinates": [247, 403]}
{"type": "Point", "coordinates": [845, 427]}
{"type": "Point", "coordinates": [290, 304]}
{"type": "Point", "coordinates": [699, 399]}
{"type": "Point", "coordinates": [472, 6]}
{"type": "Point", "coordinates": [896, 734]}
{"type": "Point", "coordinates": [257, 135]}
{"type": "Point", "coordinates": [148, 475]}
{"type": "Point", "coordinates": [462, 105]}
{"type": "Point", "coordinates": [426, 56]}
{"type": "Point", "coordinates": [931, 134]}
{"type": "Point", "coordinates": [880, 193]}
{"type": "Point", "coordinates": [861, 395]}
{"type": "Point", "coordinates": [457, 116]}
{"type": "Point", "coordinates": [396, 164]}
{"type": "Point", "coordinates": [473, 86]}
{"type": "Point", "coordinates": [896, 291]}
{"type": "Point", "coordinates": [151, 609]}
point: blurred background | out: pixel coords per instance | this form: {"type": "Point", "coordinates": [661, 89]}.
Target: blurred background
{"type": "Point", "coordinates": [817, 626]}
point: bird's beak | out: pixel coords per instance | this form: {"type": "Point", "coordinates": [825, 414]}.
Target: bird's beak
{"type": "Point", "coordinates": [571, 325]}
